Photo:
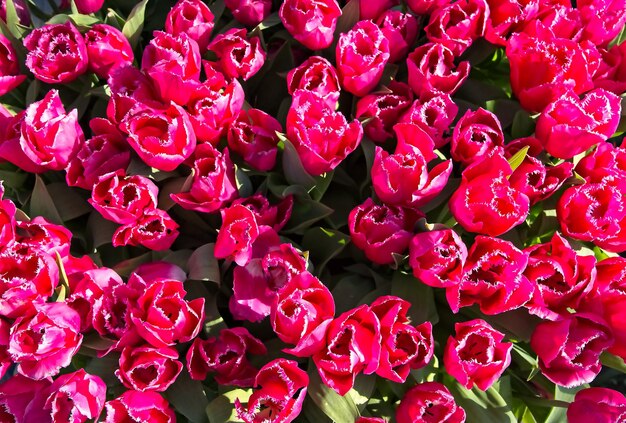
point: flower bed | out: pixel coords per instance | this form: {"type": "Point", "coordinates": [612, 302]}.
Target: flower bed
{"type": "Point", "coordinates": [311, 211]}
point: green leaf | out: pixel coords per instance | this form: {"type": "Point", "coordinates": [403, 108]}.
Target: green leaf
{"type": "Point", "coordinates": [33, 91]}
{"type": "Point", "coordinates": [188, 398]}
{"type": "Point", "coordinates": [134, 24]}
{"type": "Point", "coordinates": [505, 110]}
{"type": "Point", "coordinates": [292, 166]}
{"type": "Point", "coordinates": [179, 258]}
{"type": "Point", "coordinates": [174, 186]}
{"type": "Point", "coordinates": [217, 8]}
{"type": "Point", "coordinates": [518, 158]}
{"type": "Point", "coordinates": [100, 230]}
{"type": "Point", "coordinates": [350, 15]}
{"type": "Point", "coordinates": [613, 361]}
{"type": "Point", "coordinates": [312, 413]}
{"type": "Point", "coordinates": [362, 391]}
{"type": "Point", "coordinates": [619, 39]}
{"type": "Point", "coordinates": [41, 203]}
{"type": "Point", "coordinates": [126, 267]}
{"type": "Point", "coordinates": [479, 52]}
{"type": "Point", "coordinates": [369, 151]}
{"type": "Point", "coordinates": [114, 19]}
{"type": "Point", "coordinates": [61, 18]}
{"type": "Point", "coordinates": [526, 361]}
{"type": "Point", "coordinates": [222, 409]}
{"type": "Point", "coordinates": [270, 21]}
{"type": "Point", "coordinates": [324, 244]}
{"type": "Point", "coordinates": [63, 281]}
{"type": "Point", "coordinates": [419, 295]}
{"type": "Point", "coordinates": [558, 414]}
{"type": "Point", "coordinates": [84, 21]}
{"type": "Point", "coordinates": [380, 291]}
{"type": "Point", "coordinates": [365, 270]}
{"type": "Point", "coordinates": [442, 197]}
{"type": "Point", "coordinates": [343, 200]}
{"type": "Point", "coordinates": [104, 367]}
{"type": "Point", "coordinates": [306, 212]}
{"type": "Point", "coordinates": [338, 408]}
{"type": "Point", "coordinates": [203, 265]}
{"type": "Point", "coordinates": [600, 254]}
{"type": "Point", "coordinates": [523, 414]}
{"type": "Point", "coordinates": [479, 92]}
{"type": "Point", "coordinates": [322, 183]}
{"type": "Point", "coordinates": [518, 324]}
{"type": "Point", "coordinates": [13, 21]}
{"type": "Point", "coordinates": [68, 201]}
{"type": "Point", "coordinates": [349, 291]}
{"type": "Point", "coordinates": [523, 125]}
{"type": "Point", "coordinates": [95, 341]}
{"type": "Point", "coordinates": [244, 185]}
{"type": "Point", "coordinates": [482, 406]}
{"type": "Point", "coordinates": [14, 179]}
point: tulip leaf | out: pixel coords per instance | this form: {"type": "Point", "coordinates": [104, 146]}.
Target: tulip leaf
{"type": "Point", "coordinates": [362, 391]}
{"type": "Point", "coordinates": [188, 397]}
{"type": "Point", "coordinates": [134, 24]}
{"type": "Point", "coordinates": [83, 21]}
{"type": "Point", "coordinates": [61, 18]}
{"type": "Point", "coordinates": [270, 21]}
{"type": "Point", "coordinates": [203, 265]}
{"type": "Point", "coordinates": [477, 91]}
{"type": "Point", "coordinates": [13, 179]}
{"type": "Point", "coordinates": [114, 19]}
{"type": "Point", "coordinates": [41, 203]}
{"type": "Point", "coordinates": [126, 267]}
{"type": "Point", "coordinates": [32, 92]}
{"type": "Point", "coordinates": [523, 414]}
{"type": "Point", "coordinates": [244, 184]}
{"type": "Point", "coordinates": [68, 201]}
{"type": "Point", "coordinates": [349, 291]}
{"type": "Point", "coordinates": [525, 361]}
{"type": "Point", "coordinates": [482, 406]}
{"type": "Point", "coordinates": [13, 20]}
{"type": "Point", "coordinates": [292, 165]}
{"type": "Point", "coordinates": [312, 413]}
{"type": "Point", "coordinates": [338, 408]}
{"type": "Point", "coordinates": [100, 230]}
{"type": "Point", "coordinates": [104, 367]}
{"type": "Point", "coordinates": [174, 186]}
{"type": "Point", "coordinates": [504, 109]}
{"type": "Point", "coordinates": [419, 295]}
{"type": "Point", "coordinates": [619, 39]}
{"type": "Point", "coordinates": [613, 361]}
{"type": "Point", "coordinates": [95, 341]}
{"type": "Point", "coordinates": [222, 410]}
{"type": "Point", "coordinates": [369, 152]}
{"type": "Point", "coordinates": [217, 8]}
{"type": "Point", "coordinates": [324, 244]}
{"type": "Point", "coordinates": [305, 213]}
{"type": "Point", "coordinates": [523, 125]}
{"type": "Point", "coordinates": [343, 201]}
{"type": "Point", "coordinates": [562, 396]}
{"type": "Point", "coordinates": [518, 158]}
{"type": "Point", "coordinates": [350, 15]}
{"type": "Point", "coordinates": [63, 281]}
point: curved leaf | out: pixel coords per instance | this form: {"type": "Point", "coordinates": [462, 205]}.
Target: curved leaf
{"type": "Point", "coordinates": [482, 406]}
{"type": "Point", "coordinates": [338, 408]}
{"type": "Point", "coordinates": [134, 24]}
{"type": "Point", "coordinates": [203, 265]}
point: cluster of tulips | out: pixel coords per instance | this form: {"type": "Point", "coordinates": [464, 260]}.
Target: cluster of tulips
{"type": "Point", "coordinates": [312, 210]}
